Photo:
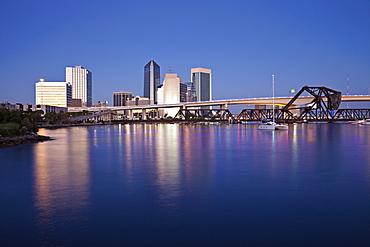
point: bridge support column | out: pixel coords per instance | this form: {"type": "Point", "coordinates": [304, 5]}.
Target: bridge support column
{"type": "Point", "coordinates": [130, 114]}
{"type": "Point", "coordinates": [143, 114]}
{"type": "Point", "coordinates": [160, 113]}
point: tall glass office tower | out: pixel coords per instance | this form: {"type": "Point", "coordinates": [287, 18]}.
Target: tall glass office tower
{"type": "Point", "coordinates": [202, 81]}
{"type": "Point", "coordinates": [152, 81]}
{"type": "Point", "coordinates": [81, 80]}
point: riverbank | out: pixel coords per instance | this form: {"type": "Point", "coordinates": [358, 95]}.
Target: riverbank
{"type": "Point", "coordinates": [57, 126]}
{"type": "Point", "coordinates": [17, 140]}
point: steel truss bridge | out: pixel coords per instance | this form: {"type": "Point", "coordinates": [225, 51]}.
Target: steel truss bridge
{"type": "Point", "coordinates": [323, 107]}
{"type": "Point", "coordinates": [322, 104]}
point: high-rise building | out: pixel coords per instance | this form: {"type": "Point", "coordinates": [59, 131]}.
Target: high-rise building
{"type": "Point", "coordinates": [53, 93]}
{"type": "Point", "coordinates": [121, 98]}
{"type": "Point", "coordinates": [81, 80]}
{"type": "Point", "coordinates": [172, 91]}
{"type": "Point", "coordinates": [202, 80]}
{"type": "Point", "coordinates": [152, 76]}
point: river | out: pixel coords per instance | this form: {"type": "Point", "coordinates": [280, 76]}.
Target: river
{"type": "Point", "coordinates": [188, 185]}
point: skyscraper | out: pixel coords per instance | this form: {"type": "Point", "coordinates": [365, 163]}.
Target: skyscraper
{"type": "Point", "coordinates": [202, 81]}
{"type": "Point", "coordinates": [172, 91]}
{"type": "Point", "coordinates": [152, 76]}
{"type": "Point", "coordinates": [81, 80]}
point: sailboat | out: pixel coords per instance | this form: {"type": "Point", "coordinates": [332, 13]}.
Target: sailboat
{"type": "Point", "coordinates": [272, 125]}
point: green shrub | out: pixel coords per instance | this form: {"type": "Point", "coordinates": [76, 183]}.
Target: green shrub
{"type": "Point", "coordinates": [10, 129]}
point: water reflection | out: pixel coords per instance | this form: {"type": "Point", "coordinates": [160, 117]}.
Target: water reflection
{"type": "Point", "coordinates": [161, 183]}
{"type": "Point", "coordinates": [62, 177]}
{"type": "Point", "coordinates": [167, 162]}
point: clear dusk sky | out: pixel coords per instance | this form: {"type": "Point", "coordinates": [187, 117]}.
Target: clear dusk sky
{"type": "Point", "coordinates": [244, 42]}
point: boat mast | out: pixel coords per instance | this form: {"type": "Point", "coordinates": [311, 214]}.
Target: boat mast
{"type": "Point", "coordinates": [273, 99]}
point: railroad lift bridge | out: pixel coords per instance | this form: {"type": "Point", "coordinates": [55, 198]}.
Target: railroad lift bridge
{"type": "Point", "coordinates": [322, 104]}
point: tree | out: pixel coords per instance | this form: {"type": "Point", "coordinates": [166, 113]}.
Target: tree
{"type": "Point", "coordinates": [50, 117]}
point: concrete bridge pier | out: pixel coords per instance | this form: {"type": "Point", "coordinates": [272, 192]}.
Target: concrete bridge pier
{"type": "Point", "coordinates": [130, 115]}
{"type": "Point", "coordinates": [143, 114]}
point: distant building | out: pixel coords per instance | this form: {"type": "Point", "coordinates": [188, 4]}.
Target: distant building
{"type": "Point", "coordinates": [190, 94]}
{"type": "Point", "coordinates": [81, 80]}
{"type": "Point", "coordinates": [202, 80]}
{"type": "Point", "coordinates": [101, 104]}
{"type": "Point", "coordinates": [76, 103]}
{"type": "Point", "coordinates": [183, 92]}
{"type": "Point", "coordinates": [152, 76]}
{"type": "Point", "coordinates": [49, 108]}
{"type": "Point", "coordinates": [10, 106]}
{"type": "Point", "coordinates": [27, 107]}
{"type": "Point", "coordinates": [139, 100]}
{"type": "Point", "coordinates": [121, 98]}
{"type": "Point", "coordinates": [160, 94]}
{"type": "Point", "coordinates": [53, 93]}
{"type": "Point", "coordinates": [172, 91]}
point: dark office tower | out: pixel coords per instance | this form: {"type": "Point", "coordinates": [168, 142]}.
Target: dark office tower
{"type": "Point", "coordinates": [202, 81]}
{"type": "Point", "coordinates": [152, 77]}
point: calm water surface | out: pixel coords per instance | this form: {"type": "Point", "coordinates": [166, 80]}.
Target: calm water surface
{"type": "Point", "coordinates": [188, 185]}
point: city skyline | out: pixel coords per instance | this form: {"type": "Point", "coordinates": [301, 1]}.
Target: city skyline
{"type": "Point", "coordinates": [314, 43]}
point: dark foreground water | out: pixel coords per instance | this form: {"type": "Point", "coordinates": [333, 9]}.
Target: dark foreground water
{"type": "Point", "coordinates": [188, 185]}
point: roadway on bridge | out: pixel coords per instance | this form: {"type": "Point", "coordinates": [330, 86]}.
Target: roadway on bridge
{"type": "Point", "coordinates": [282, 101]}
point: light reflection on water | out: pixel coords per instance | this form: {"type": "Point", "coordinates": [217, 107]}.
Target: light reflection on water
{"type": "Point", "coordinates": [153, 184]}
{"type": "Point", "coordinates": [62, 178]}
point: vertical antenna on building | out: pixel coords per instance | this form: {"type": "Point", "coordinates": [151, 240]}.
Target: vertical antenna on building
{"type": "Point", "coordinates": [170, 69]}
{"type": "Point", "coordinates": [347, 87]}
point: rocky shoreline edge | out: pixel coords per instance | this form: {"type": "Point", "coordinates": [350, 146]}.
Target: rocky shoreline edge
{"type": "Point", "coordinates": [17, 140]}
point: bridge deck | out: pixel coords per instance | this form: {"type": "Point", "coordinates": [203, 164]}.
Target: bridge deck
{"type": "Point", "coordinates": [248, 101]}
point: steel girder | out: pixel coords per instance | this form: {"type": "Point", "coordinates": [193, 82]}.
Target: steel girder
{"type": "Point", "coordinates": [352, 114]}
{"type": "Point", "coordinates": [325, 102]}
{"type": "Point", "coordinates": [204, 114]}
{"type": "Point", "coordinates": [259, 114]}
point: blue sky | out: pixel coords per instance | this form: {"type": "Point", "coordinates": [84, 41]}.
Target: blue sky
{"type": "Point", "coordinates": [313, 42]}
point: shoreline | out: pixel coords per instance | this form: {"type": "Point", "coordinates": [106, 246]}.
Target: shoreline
{"type": "Point", "coordinates": [18, 140]}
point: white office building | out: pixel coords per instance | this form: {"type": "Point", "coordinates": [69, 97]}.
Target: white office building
{"type": "Point", "coordinates": [81, 80]}
{"type": "Point", "coordinates": [53, 93]}
{"type": "Point", "coordinates": [169, 93]}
